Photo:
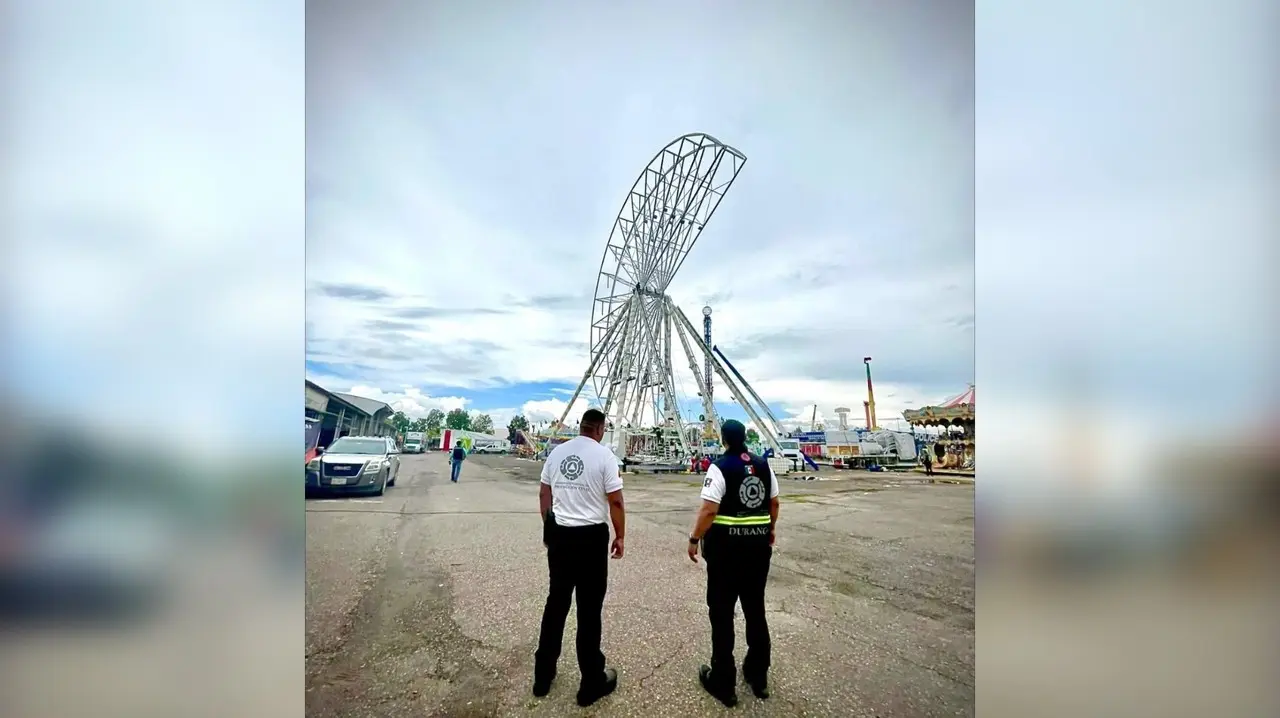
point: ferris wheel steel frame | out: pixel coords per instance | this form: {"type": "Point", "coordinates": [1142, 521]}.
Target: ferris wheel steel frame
{"type": "Point", "coordinates": [632, 318]}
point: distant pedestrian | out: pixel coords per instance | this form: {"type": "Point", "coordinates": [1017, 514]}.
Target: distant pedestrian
{"type": "Point", "coordinates": [928, 461]}
{"type": "Point", "coordinates": [455, 462]}
{"type": "Point", "coordinates": [581, 493]}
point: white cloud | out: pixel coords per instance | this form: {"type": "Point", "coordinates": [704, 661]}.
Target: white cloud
{"type": "Point", "coordinates": [501, 417]}
{"type": "Point", "coordinates": [551, 410]}
{"type": "Point", "coordinates": [411, 401]}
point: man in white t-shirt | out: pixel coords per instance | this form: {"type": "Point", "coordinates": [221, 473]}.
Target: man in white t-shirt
{"type": "Point", "coordinates": [581, 492]}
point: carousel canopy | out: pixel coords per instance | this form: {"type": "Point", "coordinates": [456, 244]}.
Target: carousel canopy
{"type": "Point", "coordinates": [964, 397]}
{"type": "Point", "coordinates": [954, 411]}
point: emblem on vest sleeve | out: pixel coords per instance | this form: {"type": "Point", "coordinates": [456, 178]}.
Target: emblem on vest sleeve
{"type": "Point", "coordinates": [751, 493]}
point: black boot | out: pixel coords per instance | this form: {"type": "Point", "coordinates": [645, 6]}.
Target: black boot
{"type": "Point", "coordinates": [542, 683]}
{"type": "Point", "coordinates": [727, 696]}
{"type": "Point", "coordinates": [589, 693]}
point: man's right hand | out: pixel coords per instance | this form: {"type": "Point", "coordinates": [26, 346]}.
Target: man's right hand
{"type": "Point", "coordinates": [616, 551]}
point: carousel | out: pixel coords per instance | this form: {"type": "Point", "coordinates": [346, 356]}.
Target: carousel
{"type": "Point", "coordinates": [953, 446]}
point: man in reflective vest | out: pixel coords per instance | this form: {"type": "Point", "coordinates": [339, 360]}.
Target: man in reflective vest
{"type": "Point", "coordinates": [735, 527]}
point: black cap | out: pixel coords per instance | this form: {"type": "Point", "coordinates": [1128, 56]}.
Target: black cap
{"type": "Point", "coordinates": [734, 434]}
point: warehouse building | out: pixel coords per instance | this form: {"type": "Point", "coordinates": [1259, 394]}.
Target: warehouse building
{"type": "Point", "coordinates": [331, 415]}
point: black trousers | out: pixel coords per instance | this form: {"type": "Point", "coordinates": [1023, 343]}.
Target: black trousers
{"type": "Point", "coordinates": [578, 559]}
{"type": "Point", "coordinates": [738, 575]}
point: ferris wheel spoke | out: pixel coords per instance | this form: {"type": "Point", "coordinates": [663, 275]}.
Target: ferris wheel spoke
{"type": "Point", "coordinates": [693, 201]}
{"type": "Point", "coordinates": [663, 192]}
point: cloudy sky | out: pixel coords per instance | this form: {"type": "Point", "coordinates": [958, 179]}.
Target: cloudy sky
{"type": "Point", "coordinates": [152, 165]}
{"type": "Point", "coordinates": [464, 168]}
{"type": "Point", "coordinates": [462, 175]}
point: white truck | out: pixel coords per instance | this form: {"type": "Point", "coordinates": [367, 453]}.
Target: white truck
{"type": "Point", "coordinates": [499, 446]}
{"type": "Point", "coordinates": [791, 450]}
{"type": "Point", "coordinates": [415, 442]}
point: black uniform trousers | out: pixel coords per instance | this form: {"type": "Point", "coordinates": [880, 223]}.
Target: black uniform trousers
{"type": "Point", "coordinates": [578, 559]}
{"type": "Point", "coordinates": [738, 574]}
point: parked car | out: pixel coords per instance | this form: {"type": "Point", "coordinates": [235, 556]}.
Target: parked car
{"type": "Point", "coordinates": [87, 534]}
{"type": "Point", "coordinates": [355, 464]}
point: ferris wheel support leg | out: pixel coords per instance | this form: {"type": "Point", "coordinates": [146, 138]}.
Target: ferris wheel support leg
{"type": "Point", "coordinates": [595, 362]}
{"type": "Point", "coordinates": [683, 323]}
{"type": "Point", "coordinates": [777, 425]}
{"type": "Point", "coordinates": [628, 370]}
{"type": "Point", "coordinates": [669, 405]}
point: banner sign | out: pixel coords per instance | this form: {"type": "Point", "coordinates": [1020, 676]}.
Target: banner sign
{"type": "Point", "coordinates": [811, 437]}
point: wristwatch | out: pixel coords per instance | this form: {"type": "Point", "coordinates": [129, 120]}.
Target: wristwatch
{"type": "Point", "coordinates": [694, 540]}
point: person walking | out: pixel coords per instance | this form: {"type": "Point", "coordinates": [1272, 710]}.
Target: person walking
{"type": "Point", "coordinates": [580, 491]}
{"type": "Point", "coordinates": [735, 527]}
{"type": "Point", "coordinates": [456, 458]}
{"type": "Point", "coordinates": [928, 460]}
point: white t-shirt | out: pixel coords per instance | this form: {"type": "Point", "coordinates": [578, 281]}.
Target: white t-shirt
{"type": "Point", "coordinates": [580, 472]}
{"type": "Point", "coordinates": [713, 485]}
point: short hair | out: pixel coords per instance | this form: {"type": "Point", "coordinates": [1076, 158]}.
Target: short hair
{"type": "Point", "coordinates": [592, 420]}
{"type": "Point", "coordinates": [459, 443]}
{"type": "Point", "coordinates": [734, 434]}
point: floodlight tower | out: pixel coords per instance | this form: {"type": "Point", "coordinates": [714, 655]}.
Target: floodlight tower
{"type": "Point", "coordinates": [706, 337]}
{"type": "Point", "coordinates": [709, 428]}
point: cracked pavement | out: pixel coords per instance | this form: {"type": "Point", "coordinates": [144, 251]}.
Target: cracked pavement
{"type": "Point", "coordinates": [426, 601]}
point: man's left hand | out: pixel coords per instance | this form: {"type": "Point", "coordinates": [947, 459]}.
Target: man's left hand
{"type": "Point", "coordinates": [693, 552]}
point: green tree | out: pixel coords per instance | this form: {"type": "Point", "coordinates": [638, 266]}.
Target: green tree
{"type": "Point", "coordinates": [458, 419]}
{"type": "Point", "coordinates": [418, 425]}
{"type": "Point", "coordinates": [433, 422]}
{"type": "Point", "coordinates": [483, 424]}
{"type": "Point", "coordinates": [401, 422]}
{"type": "Point", "coordinates": [517, 423]}
{"type": "Point", "coordinates": [752, 436]}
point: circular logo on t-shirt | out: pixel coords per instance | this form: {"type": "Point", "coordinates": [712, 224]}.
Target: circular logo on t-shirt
{"type": "Point", "coordinates": [572, 467]}
{"type": "Point", "coordinates": [751, 493]}
{"type": "Point", "coordinates": [746, 458]}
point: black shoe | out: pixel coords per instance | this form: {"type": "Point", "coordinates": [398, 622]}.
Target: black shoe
{"type": "Point", "coordinates": [759, 683]}
{"type": "Point", "coordinates": [588, 694]}
{"type": "Point", "coordinates": [729, 697]}
{"type": "Point", "coordinates": [542, 684]}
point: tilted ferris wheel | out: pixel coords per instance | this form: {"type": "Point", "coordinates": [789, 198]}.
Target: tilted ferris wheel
{"type": "Point", "coordinates": [633, 321]}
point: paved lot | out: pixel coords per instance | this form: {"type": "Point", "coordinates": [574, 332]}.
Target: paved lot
{"type": "Point", "coordinates": [426, 601]}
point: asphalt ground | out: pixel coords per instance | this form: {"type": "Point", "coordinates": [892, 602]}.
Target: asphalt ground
{"type": "Point", "coordinates": [427, 600]}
